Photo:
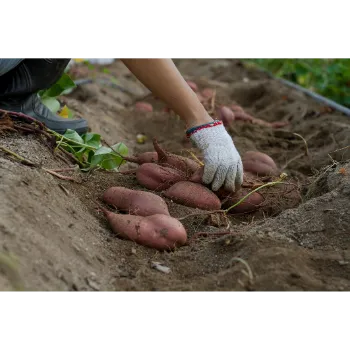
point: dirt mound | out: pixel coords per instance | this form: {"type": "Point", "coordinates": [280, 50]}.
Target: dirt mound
{"type": "Point", "coordinates": [52, 237]}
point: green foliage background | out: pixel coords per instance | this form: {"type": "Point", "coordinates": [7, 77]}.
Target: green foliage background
{"type": "Point", "coordinates": [328, 77]}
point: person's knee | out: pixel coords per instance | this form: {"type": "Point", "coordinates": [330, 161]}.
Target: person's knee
{"type": "Point", "coordinates": [7, 64]}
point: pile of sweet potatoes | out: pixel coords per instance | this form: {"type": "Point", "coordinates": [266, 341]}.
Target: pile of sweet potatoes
{"type": "Point", "coordinates": [146, 220]}
{"type": "Point", "coordinates": [144, 216]}
{"type": "Point", "coordinates": [180, 179]}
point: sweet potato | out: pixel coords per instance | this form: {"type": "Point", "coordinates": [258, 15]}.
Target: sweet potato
{"type": "Point", "coordinates": [193, 195]}
{"type": "Point", "coordinates": [226, 115]}
{"type": "Point", "coordinates": [192, 85]}
{"type": "Point", "coordinates": [157, 231]}
{"type": "Point", "coordinates": [146, 157]}
{"type": "Point", "coordinates": [158, 178]}
{"type": "Point", "coordinates": [207, 93]}
{"type": "Point", "coordinates": [259, 164]}
{"type": "Point", "coordinates": [186, 165]}
{"type": "Point", "coordinates": [143, 106]}
{"type": "Point", "coordinates": [250, 204]}
{"type": "Point", "coordinates": [135, 202]}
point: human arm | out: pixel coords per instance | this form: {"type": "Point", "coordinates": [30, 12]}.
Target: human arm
{"type": "Point", "coordinates": [165, 81]}
{"type": "Point", "coordinates": [223, 165]}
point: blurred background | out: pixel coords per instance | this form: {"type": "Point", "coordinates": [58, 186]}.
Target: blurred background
{"type": "Point", "coordinates": [327, 77]}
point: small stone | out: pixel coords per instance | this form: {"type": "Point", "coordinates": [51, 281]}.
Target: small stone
{"type": "Point", "coordinates": [92, 284]}
{"type": "Point", "coordinates": [162, 268]}
{"type": "Point", "coordinates": [342, 262]}
{"type": "Point", "coordinates": [133, 251]}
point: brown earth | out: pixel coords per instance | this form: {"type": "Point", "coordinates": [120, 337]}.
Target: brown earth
{"type": "Point", "coordinates": [52, 237]}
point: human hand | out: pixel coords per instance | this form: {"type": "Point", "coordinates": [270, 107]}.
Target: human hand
{"type": "Point", "coordinates": [222, 162]}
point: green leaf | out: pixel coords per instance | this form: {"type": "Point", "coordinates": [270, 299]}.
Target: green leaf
{"type": "Point", "coordinates": [92, 140]}
{"type": "Point", "coordinates": [106, 158]}
{"type": "Point", "coordinates": [51, 103]}
{"type": "Point", "coordinates": [121, 149]}
{"type": "Point", "coordinates": [90, 154]}
{"type": "Point", "coordinates": [73, 135]}
{"type": "Point", "coordinates": [64, 84]}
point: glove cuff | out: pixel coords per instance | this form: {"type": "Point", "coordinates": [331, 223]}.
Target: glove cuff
{"type": "Point", "coordinates": [195, 129]}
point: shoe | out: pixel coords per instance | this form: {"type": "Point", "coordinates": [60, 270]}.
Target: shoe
{"type": "Point", "coordinates": [19, 88]}
{"type": "Point", "coordinates": [31, 76]}
{"type": "Point", "coordinates": [33, 107]}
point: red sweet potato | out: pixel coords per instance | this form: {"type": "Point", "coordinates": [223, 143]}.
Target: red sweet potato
{"type": "Point", "coordinates": [186, 165]}
{"type": "Point", "coordinates": [192, 85]}
{"type": "Point", "coordinates": [259, 164]}
{"type": "Point", "coordinates": [135, 202]}
{"type": "Point", "coordinates": [226, 115]}
{"type": "Point", "coordinates": [250, 204]}
{"type": "Point", "coordinates": [157, 231]}
{"type": "Point", "coordinates": [193, 195]}
{"type": "Point", "coordinates": [158, 178]}
{"type": "Point", "coordinates": [143, 106]}
{"type": "Point", "coordinates": [207, 93]}
{"type": "Point", "coordinates": [146, 157]}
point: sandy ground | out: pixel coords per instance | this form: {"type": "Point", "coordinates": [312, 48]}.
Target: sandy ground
{"type": "Point", "coordinates": [52, 237]}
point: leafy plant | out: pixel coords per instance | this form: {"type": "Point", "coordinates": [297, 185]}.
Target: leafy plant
{"type": "Point", "coordinates": [87, 149]}
{"type": "Point", "coordinates": [328, 77]}
{"type": "Point", "coordinates": [48, 97]}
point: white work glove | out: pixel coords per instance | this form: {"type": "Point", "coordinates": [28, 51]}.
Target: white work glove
{"type": "Point", "coordinates": [222, 162]}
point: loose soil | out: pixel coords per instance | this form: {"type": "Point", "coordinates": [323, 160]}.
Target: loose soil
{"type": "Point", "coordinates": [53, 238]}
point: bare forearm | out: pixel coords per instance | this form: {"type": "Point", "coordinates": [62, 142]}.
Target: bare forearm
{"type": "Point", "coordinates": [165, 81]}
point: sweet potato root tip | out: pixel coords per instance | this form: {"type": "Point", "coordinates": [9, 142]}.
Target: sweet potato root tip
{"type": "Point", "coordinates": [143, 106]}
{"type": "Point", "coordinates": [193, 195]}
{"type": "Point", "coordinates": [158, 178]}
{"type": "Point", "coordinates": [259, 163]}
{"type": "Point", "coordinates": [186, 165]}
{"type": "Point", "coordinates": [250, 204]}
{"type": "Point", "coordinates": [135, 202]}
{"type": "Point", "coordinates": [157, 231]}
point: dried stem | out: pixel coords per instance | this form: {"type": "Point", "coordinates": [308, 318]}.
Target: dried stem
{"type": "Point", "coordinates": [22, 116]}
{"type": "Point", "coordinates": [62, 177]}
{"type": "Point", "coordinates": [17, 156]}
{"type": "Point", "coordinates": [306, 146]}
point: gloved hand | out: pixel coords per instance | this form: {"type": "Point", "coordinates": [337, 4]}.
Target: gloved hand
{"type": "Point", "coordinates": [222, 162]}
